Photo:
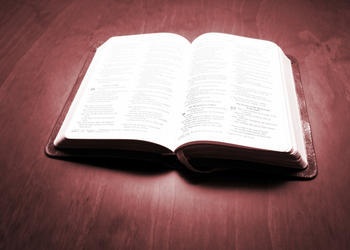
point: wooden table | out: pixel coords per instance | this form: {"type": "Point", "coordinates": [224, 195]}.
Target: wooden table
{"type": "Point", "coordinates": [47, 203]}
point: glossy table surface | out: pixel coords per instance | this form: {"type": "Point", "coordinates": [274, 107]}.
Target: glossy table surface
{"type": "Point", "coordinates": [47, 203]}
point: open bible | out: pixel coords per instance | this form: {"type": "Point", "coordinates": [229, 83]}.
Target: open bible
{"type": "Point", "coordinates": [218, 99]}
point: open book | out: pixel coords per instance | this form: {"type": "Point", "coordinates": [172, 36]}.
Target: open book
{"type": "Point", "coordinates": [221, 97]}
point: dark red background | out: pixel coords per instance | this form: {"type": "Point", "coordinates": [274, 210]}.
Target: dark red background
{"type": "Point", "coordinates": [47, 203]}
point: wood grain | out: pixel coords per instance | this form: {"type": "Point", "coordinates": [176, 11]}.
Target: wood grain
{"type": "Point", "coordinates": [55, 204]}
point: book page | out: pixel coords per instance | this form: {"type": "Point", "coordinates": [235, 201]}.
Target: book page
{"type": "Point", "coordinates": [295, 124]}
{"type": "Point", "coordinates": [131, 90]}
{"type": "Point", "coordinates": [235, 94]}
